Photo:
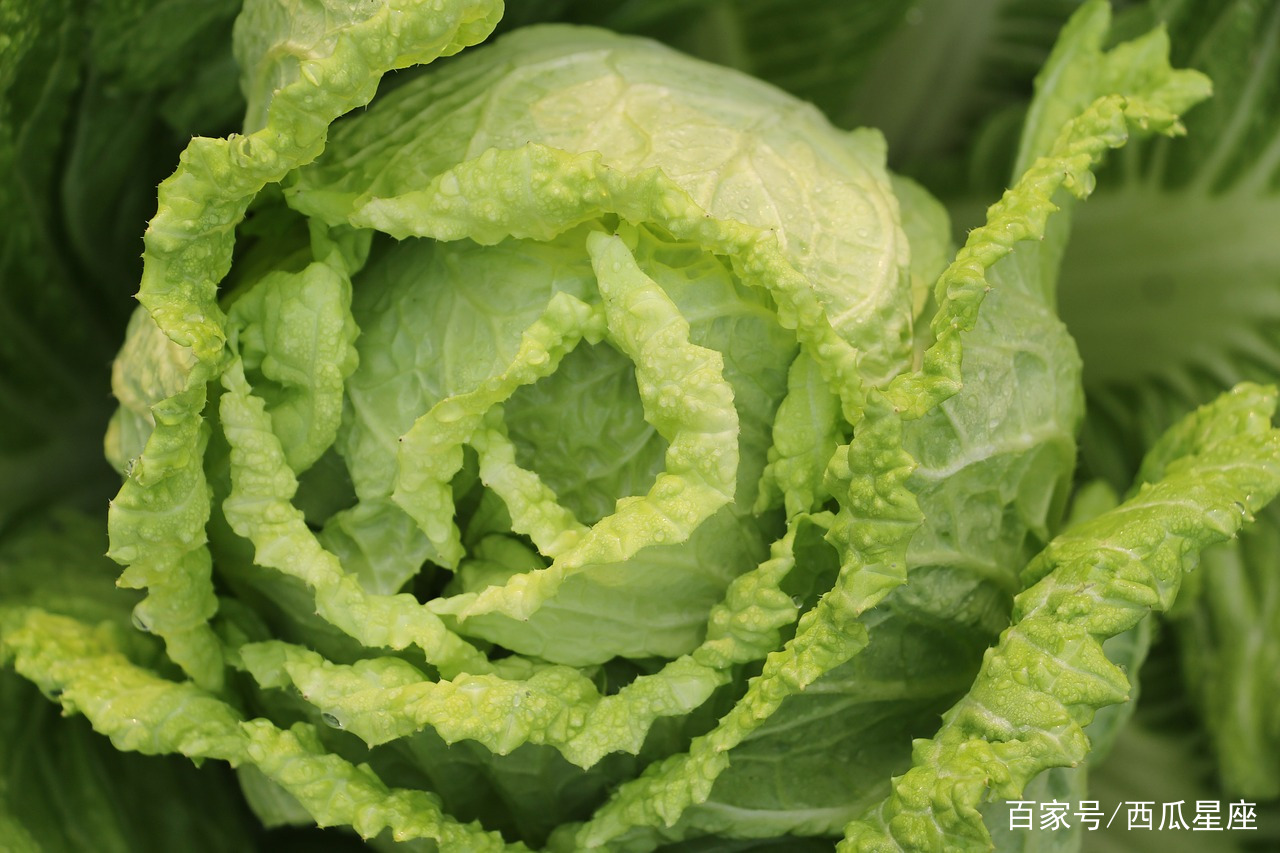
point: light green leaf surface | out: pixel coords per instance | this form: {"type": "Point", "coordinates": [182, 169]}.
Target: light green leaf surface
{"type": "Point", "coordinates": [1048, 675]}
{"type": "Point", "coordinates": [189, 246]}
{"type": "Point", "coordinates": [590, 447]}
{"type": "Point", "coordinates": [1196, 302]}
{"type": "Point", "coordinates": [992, 472]}
{"type": "Point", "coordinates": [295, 334]}
{"type": "Point", "coordinates": [141, 712]}
{"type": "Point", "coordinates": [382, 699]}
{"type": "Point", "coordinates": [823, 193]}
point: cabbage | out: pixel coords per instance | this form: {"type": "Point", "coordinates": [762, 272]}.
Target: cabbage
{"type": "Point", "coordinates": [583, 445]}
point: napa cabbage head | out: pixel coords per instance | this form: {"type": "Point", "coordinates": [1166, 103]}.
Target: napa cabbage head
{"type": "Point", "coordinates": [567, 369]}
{"type": "Point", "coordinates": [588, 446]}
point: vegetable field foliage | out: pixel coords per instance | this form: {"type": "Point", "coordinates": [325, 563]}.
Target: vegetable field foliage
{"type": "Point", "coordinates": [691, 425]}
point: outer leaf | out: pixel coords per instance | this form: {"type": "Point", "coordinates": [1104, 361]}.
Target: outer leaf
{"type": "Point", "coordinates": [994, 462]}
{"type": "Point", "coordinates": [54, 330]}
{"type": "Point", "coordinates": [148, 370]}
{"type": "Point", "coordinates": [188, 251]}
{"type": "Point", "coordinates": [141, 712]}
{"type": "Point", "coordinates": [386, 698]}
{"type": "Point", "coordinates": [1048, 674]}
{"type": "Point", "coordinates": [1157, 96]}
{"type": "Point", "coordinates": [1230, 640]}
{"type": "Point", "coordinates": [1217, 195]}
{"type": "Point", "coordinates": [1197, 304]}
{"type": "Point", "coordinates": [872, 563]}
{"type": "Point", "coordinates": [156, 528]}
{"type": "Point", "coordinates": [65, 787]}
{"type": "Point", "coordinates": [450, 192]}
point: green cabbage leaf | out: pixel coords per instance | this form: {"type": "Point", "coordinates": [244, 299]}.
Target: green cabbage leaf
{"type": "Point", "coordinates": [583, 445]}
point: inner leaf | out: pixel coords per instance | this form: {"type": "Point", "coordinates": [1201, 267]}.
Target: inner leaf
{"type": "Point", "coordinates": [582, 430]}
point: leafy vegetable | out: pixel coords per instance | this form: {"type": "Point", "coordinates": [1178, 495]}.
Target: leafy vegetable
{"type": "Point", "coordinates": [1221, 187]}
{"type": "Point", "coordinates": [577, 444]}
